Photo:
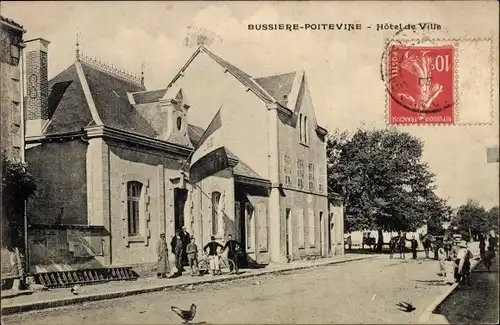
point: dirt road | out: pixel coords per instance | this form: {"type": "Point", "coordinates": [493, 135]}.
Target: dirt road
{"type": "Point", "coordinates": [356, 292]}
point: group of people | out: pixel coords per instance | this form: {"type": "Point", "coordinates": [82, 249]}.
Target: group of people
{"type": "Point", "coordinates": [185, 250]}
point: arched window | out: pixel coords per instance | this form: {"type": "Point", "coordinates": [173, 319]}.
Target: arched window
{"type": "Point", "coordinates": [134, 190]}
{"type": "Point", "coordinates": [215, 212]}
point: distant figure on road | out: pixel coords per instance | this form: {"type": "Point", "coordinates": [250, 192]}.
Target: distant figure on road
{"type": "Point", "coordinates": [489, 257]}
{"type": "Point", "coordinates": [213, 255]}
{"type": "Point", "coordinates": [414, 246]}
{"type": "Point", "coordinates": [392, 246]}
{"type": "Point", "coordinates": [482, 245]}
{"type": "Point", "coordinates": [163, 267]}
{"type": "Point", "coordinates": [233, 247]}
{"type": "Point", "coordinates": [349, 242]}
{"type": "Point", "coordinates": [462, 262]}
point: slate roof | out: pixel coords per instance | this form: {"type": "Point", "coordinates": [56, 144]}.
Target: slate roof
{"type": "Point", "coordinates": [67, 105]}
{"type": "Point", "coordinates": [149, 96]}
{"type": "Point", "coordinates": [195, 133]}
{"type": "Point", "coordinates": [69, 110]}
{"type": "Point", "coordinates": [113, 107]}
{"type": "Point", "coordinates": [278, 86]}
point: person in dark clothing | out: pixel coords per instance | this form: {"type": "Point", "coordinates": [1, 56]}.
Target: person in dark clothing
{"type": "Point", "coordinates": [233, 247]}
{"type": "Point", "coordinates": [414, 246]}
{"type": "Point", "coordinates": [178, 249]}
{"type": "Point", "coordinates": [186, 239]}
{"type": "Point", "coordinates": [213, 255]}
{"type": "Point", "coordinates": [482, 245]}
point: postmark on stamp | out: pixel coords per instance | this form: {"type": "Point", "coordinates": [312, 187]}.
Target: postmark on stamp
{"type": "Point", "coordinates": [420, 84]}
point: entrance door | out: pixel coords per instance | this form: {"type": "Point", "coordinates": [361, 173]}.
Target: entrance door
{"type": "Point", "coordinates": [180, 197]}
{"type": "Point", "coordinates": [288, 234]}
{"type": "Point", "coordinates": [321, 233]}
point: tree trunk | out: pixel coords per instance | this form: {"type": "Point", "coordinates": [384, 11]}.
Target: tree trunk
{"type": "Point", "coordinates": [380, 241]}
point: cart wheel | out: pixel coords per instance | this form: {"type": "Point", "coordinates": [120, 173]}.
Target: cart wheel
{"type": "Point", "coordinates": [230, 265]}
{"type": "Point", "coordinates": [203, 266]}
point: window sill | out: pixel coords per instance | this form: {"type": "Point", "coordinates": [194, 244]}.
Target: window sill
{"type": "Point", "coordinates": [312, 246]}
{"type": "Point", "coordinates": [304, 144]}
{"type": "Point", "coordinates": [302, 247]}
{"type": "Point", "coordinates": [136, 239]}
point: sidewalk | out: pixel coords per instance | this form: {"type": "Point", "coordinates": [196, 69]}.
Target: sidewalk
{"type": "Point", "coordinates": [429, 316]}
{"type": "Point", "coordinates": [115, 289]}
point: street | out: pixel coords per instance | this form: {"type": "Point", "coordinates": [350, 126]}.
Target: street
{"type": "Point", "coordinates": [356, 292]}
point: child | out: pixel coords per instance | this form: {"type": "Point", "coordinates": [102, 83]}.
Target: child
{"type": "Point", "coordinates": [192, 255]}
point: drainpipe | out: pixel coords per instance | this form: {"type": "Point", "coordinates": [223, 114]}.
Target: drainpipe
{"type": "Point", "coordinates": [23, 157]}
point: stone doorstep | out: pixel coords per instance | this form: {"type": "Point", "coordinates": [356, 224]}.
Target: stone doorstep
{"type": "Point", "coordinates": [39, 305]}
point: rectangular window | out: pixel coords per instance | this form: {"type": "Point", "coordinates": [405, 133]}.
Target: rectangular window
{"type": "Point", "coordinates": [287, 169]}
{"type": "Point", "coordinates": [300, 227]}
{"type": "Point", "coordinates": [134, 190]}
{"type": "Point", "coordinates": [311, 176]}
{"type": "Point", "coordinates": [262, 219]}
{"type": "Point", "coordinates": [312, 229]}
{"type": "Point", "coordinates": [300, 173]}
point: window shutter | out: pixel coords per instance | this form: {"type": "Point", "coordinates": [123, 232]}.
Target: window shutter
{"type": "Point", "coordinates": [125, 213]}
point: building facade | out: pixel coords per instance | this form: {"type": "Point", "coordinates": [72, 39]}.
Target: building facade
{"type": "Point", "coordinates": [216, 151]}
{"type": "Point", "coordinates": [11, 39]}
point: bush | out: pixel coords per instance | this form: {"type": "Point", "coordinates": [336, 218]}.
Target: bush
{"type": "Point", "coordinates": [18, 185]}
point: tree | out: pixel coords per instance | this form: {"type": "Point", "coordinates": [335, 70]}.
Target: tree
{"type": "Point", "coordinates": [17, 186]}
{"type": "Point", "coordinates": [493, 216]}
{"type": "Point", "coordinates": [383, 180]}
{"type": "Point", "coordinates": [471, 218]}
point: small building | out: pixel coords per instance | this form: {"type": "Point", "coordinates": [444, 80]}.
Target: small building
{"type": "Point", "coordinates": [216, 151]}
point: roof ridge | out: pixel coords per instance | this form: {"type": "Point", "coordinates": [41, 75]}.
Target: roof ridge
{"type": "Point", "coordinates": [88, 93]}
{"type": "Point", "coordinates": [111, 70]}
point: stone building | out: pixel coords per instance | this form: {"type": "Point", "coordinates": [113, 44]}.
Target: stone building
{"type": "Point", "coordinates": [11, 126]}
{"type": "Point", "coordinates": [217, 151]}
{"type": "Point", "coordinates": [11, 36]}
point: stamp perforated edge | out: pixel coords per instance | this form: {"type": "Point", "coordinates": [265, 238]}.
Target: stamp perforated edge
{"type": "Point", "coordinates": [454, 42]}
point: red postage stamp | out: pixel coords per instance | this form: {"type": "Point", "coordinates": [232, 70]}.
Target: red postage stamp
{"type": "Point", "coordinates": [420, 84]}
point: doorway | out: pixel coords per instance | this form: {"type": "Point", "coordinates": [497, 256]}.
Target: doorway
{"type": "Point", "coordinates": [288, 233]}
{"type": "Point", "coordinates": [180, 197]}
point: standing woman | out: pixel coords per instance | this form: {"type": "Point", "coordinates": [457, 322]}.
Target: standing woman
{"type": "Point", "coordinates": [163, 267]}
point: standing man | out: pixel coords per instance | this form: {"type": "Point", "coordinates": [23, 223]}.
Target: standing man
{"type": "Point", "coordinates": [186, 239]}
{"type": "Point", "coordinates": [482, 245]}
{"type": "Point", "coordinates": [178, 249]}
{"type": "Point", "coordinates": [233, 247]}
{"type": "Point", "coordinates": [213, 255]}
{"type": "Point", "coordinates": [163, 267]}
{"type": "Point", "coordinates": [414, 246]}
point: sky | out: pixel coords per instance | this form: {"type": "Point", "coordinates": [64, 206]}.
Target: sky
{"type": "Point", "coordinates": [342, 67]}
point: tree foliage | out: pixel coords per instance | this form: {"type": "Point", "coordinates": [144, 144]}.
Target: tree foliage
{"type": "Point", "coordinates": [17, 186]}
{"type": "Point", "coordinates": [384, 182]}
{"type": "Point", "coordinates": [473, 217]}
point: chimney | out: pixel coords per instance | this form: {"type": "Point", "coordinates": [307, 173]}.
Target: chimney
{"type": "Point", "coordinates": [37, 86]}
